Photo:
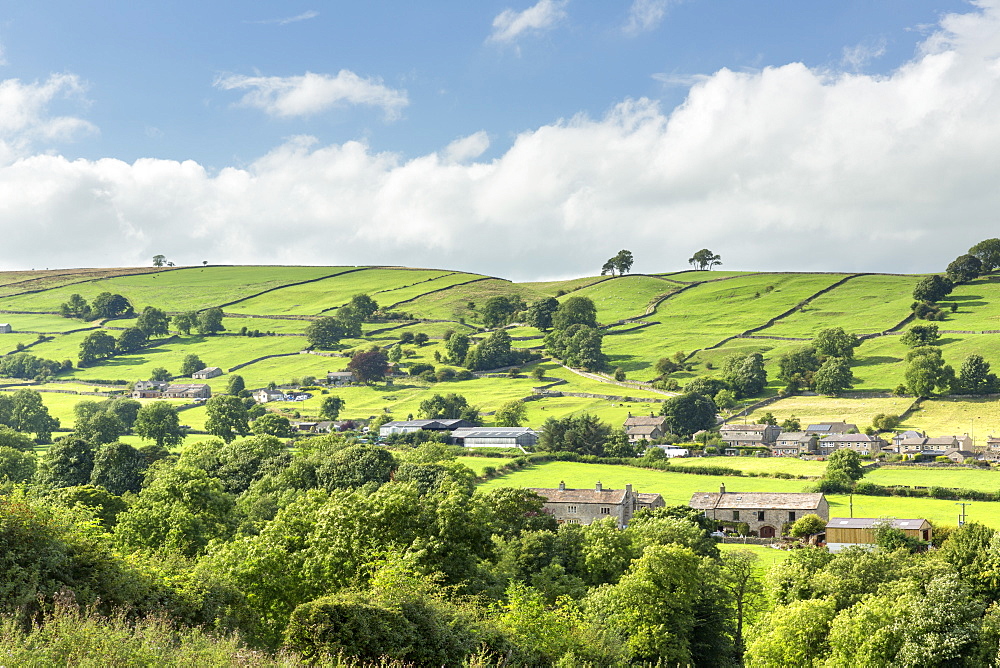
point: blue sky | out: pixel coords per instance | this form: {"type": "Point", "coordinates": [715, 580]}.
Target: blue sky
{"type": "Point", "coordinates": [522, 139]}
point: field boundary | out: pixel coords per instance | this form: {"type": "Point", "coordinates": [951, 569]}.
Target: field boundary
{"type": "Point", "coordinates": [292, 285]}
{"type": "Point", "coordinates": [437, 290]}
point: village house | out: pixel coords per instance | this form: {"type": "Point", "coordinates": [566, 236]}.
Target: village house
{"type": "Point", "coordinates": [764, 512]}
{"type": "Point", "coordinates": [186, 391]}
{"type": "Point", "coordinates": [207, 372]}
{"type": "Point", "coordinates": [641, 427]}
{"type": "Point", "coordinates": [934, 446]}
{"type": "Point", "coordinates": [748, 435]}
{"type": "Point", "coordinates": [584, 506]}
{"type": "Point", "coordinates": [898, 439]}
{"type": "Point", "coordinates": [863, 444]}
{"type": "Point", "coordinates": [148, 389]}
{"type": "Point", "coordinates": [794, 444]}
{"type": "Point", "coordinates": [265, 395]}
{"type": "Point", "coordinates": [827, 428]}
{"type": "Point", "coordinates": [409, 426]}
{"type": "Point", "coordinates": [959, 456]}
{"type": "Point", "coordinates": [339, 378]}
{"type": "Point", "coordinates": [991, 451]}
{"type": "Point", "coordinates": [495, 437]}
{"type": "Point", "coordinates": [844, 532]}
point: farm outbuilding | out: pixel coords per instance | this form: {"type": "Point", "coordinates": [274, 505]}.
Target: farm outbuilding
{"type": "Point", "coordinates": [844, 532]}
{"type": "Point", "coordinates": [5, 328]}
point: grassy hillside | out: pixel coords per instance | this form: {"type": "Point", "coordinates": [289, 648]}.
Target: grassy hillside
{"type": "Point", "coordinates": [703, 314]}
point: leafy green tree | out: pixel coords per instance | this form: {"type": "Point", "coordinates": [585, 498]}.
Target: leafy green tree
{"type": "Point", "coordinates": [449, 406]}
{"type": "Point", "coordinates": [227, 417]}
{"type": "Point", "coordinates": [797, 368]}
{"type": "Point", "coordinates": [741, 578]}
{"type": "Point", "coordinates": [9, 438]}
{"type": "Point", "coordinates": [236, 385]}
{"type": "Point", "coordinates": [511, 414]}
{"type": "Point", "coordinates": [835, 342]}
{"type": "Point", "coordinates": [30, 415]}
{"type": "Point", "coordinates": [158, 421]}
{"type": "Point", "coordinates": [833, 377]}
{"type": "Point", "coordinates": [331, 406]}
{"type": "Point", "coordinates": [885, 422]}
{"type": "Point", "coordinates": [118, 468]}
{"type": "Point", "coordinates": [688, 413]}
{"type": "Point", "coordinates": [108, 305]}
{"type": "Point", "coordinates": [622, 263]}
{"type": "Point", "coordinates": [76, 307]}
{"type": "Point", "coordinates": [541, 312]}
{"type": "Point", "coordinates": [66, 464]}
{"type": "Point", "coordinates": [421, 338]}
{"type": "Point", "coordinates": [578, 346]}
{"type": "Point", "coordinates": [792, 423]}
{"type": "Point", "coordinates": [921, 335]}
{"type": "Point", "coordinates": [130, 340]}
{"type": "Point", "coordinates": [369, 366]}
{"type": "Point", "coordinates": [768, 418]}
{"type": "Point", "coordinates": [191, 364]}
{"type": "Point", "coordinates": [926, 371]}
{"type": "Point", "coordinates": [845, 461]}
{"type": "Point", "coordinates": [272, 424]}
{"type": "Point", "coordinates": [349, 321]}
{"type": "Point", "coordinates": [159, 260]}
{"type": "Point", "coordinates": [933, 289]}
{"type": "Point", "coordinates": [101, 427]}
{"type": "Point", "coordinates": [797, 634]}
{"type": "Point", "coordinates": [125, 409]}
{"type": "Point", "coordinates": [575, 311]}
{"type": "Point", "coordinates": [808, 525]}
{"type": "Point", "coordinates": [498, 310]}
{"type": "Point", "coordinates": [725, 399]}
{"type": "Point", "coordinates": [396, 354]}
{"type": "Point", "coordinates": [964, 268]}
{"type": "Point", "coordinates": [95, 346]}
{"type": "Point", "coordinates": [16, 465]}
{"type": "Point", "coordinates": [364, 306]}
{"type": "Point", "coordinates": [988, 252]}
{"type": "Point", "coordinates": [653, 606]}
{"type": "Point", "coordinates": [153, 322]}
{"type": "Point", "coordinates": [704, 259]}
{"type": "Point", "coordinates": [745, 374]}
{"type": "Point", "coordinates": [975, 377]}
{"type": "Point", "coordinates": [457, 346]}
{"type": "Point", "coordinates": [325, 333]}
{"type": "Point", "coordinates": [185, 322]}
{"type": "Point", "coordinates": [210, 321]}
{"type": "Point", "coordinates": [180, 510]}
{"type": "Point", "coordinates": [584, 434]}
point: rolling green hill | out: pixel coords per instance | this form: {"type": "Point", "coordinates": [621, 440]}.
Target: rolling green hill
{"type": "Point", "coordinates": [706, 315]}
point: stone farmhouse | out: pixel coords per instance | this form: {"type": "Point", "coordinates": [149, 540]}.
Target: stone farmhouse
{"type": "Point", "coordinates": [932, 446]}
{"type": "Point", "coordinates": [748, 435]}
{"type": "Point", "coordinates": [794, 444]}
{"type": "Point", "coordinates": [148, 389]}
{"type": "Point", "coordinates": [641, 427]}
{"type": "Point", "coordinates": [863, 444]}
{"type": "Point", "coordinates": [265, 395]}
{"type": "Point", "coordinates": [207, 372]}
{"type": "Point", "coordinates": [187, 391]}
{"type": "Point", "coordinates": [765, 512]}
{"type": "Point", "coordinates": [339, 378]}
{"type": "Point", "coordinates": [584, 506]}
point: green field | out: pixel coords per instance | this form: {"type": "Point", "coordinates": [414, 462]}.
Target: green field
{"type": "Point", "coordinates": [766, 556]}
{"type": "Point", "coordinates": [624, 296]}
{"type": "Point", "coordinates": [790, 465]}
{"type": "Point", "coordinates": [826, 409]}
{"type": "Point", "coordinates": [984, 480]}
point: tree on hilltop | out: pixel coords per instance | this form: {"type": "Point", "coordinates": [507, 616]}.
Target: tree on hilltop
{"type": "Point", "coordinates": [622, 263]}
{"type": "Point", "coordinates": [704, 259]}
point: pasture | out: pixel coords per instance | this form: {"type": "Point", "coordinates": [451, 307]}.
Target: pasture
{"type": "Point", "coordinates": [812, 409]}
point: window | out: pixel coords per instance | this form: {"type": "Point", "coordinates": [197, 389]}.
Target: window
{"type": "Point", "coordinates": [736, 516]}
{"type": "Point", "coordinates": [791, 515]}
{"type": "Point", "coordinates": [570, 509]}
{"type": "Point", "coordinates": [605, 510]}
{"type": "Point", "coordinates": [572, 521]}
{"type": "Point", "coordinates": [760, 515]}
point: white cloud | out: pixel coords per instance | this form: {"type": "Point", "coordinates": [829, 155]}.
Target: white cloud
{"type": "Point", "coordinates": [304, 16]}
{"type": "Point", "coordinates": [25, 121]}
{"type": "Point", "coordinates": [645, 15]}
{"type": "Point", "coordinates": [311, 93]}
{"type": "Point", "coordinates": [785, 168]}
{"type": "Point", "coordinates": [467, 148]}
{"type": "Point", "coordinates": [857, 57]}
{"type": "Point", "coordinates": [511, 24]}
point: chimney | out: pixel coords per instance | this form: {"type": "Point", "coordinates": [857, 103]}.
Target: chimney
{"type": "Point", "coordinates": [722, 488]}
{"type": "Point", "coordinates": [628, 489]}
{"type": "Point", "coordinates": [562, 485]}
{"type": "Point", "coordinates": [598, 487]}
{"type": "Point", "coordinates": [630, 413]}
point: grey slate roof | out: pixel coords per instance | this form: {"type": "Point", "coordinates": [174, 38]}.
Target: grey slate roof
{"type": "Point", "coordinates": [753, 500]}
{"type": "Point", "coordinates": [491, 432]}
{"type": "Point", "coordinates": [608, 496]}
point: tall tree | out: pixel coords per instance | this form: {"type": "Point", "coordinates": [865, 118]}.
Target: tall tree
{"type": "Point", "coordinates": [688, 413]}
{"type": "Point", "coordinates": [118, 468]}
{"type": "Point", "coordinates": [331, 406]}
{"type": "Point", "coordinates": [190, 364]}
{"type": "Point", "coordinates": [584, 434]}
{"type": "Point", "coordinates": [540, 313]}
{"type": "Point", "coordinates": [622, 263]}
{"type": "Point", "coordinates": [705, 259]}
{"type": "Point", "coordinates": [932, 288]}
{"type": "Point", "coordinates": [457, 346]}
{"type": "Point", "coordinates": [159, 260]}
{"type": "Point", "coordinates": [30, 415]}
{"type": "Point", "coordinates": [988, 252]}
{"type": "Point", "coordinates": [926, 371]}
{"type": "Point", "coordinates": [95, 346]}
{"type": "Point", "coordinates": [236, 385]}
{"type": "Point", "coordinates": [511, 414]}
{"type": "Point", "coordinates": [210, 321]}
{"type": "Point", "coordinates": [833, 377]}
{"type": "Point", "coordinates": [369, 366]}
{"type": "Point", "coordinates": [227, 417]}
{"type": "Point", "coordinates": [364, 306]}
{"type": "Point", "coordinates": [153, 322]}
{"type": "Point", "coordinates": [130, 340]}
{"type": "Point", "coordinates": [76, 307]}
{"type": "Point", "coordinates": [158, 421]}
{"type": "Point", "coordinates": [108, 305]}
{"type": "Point", "coordinates": [185, 322]}
{"type": "Point", "coordinates": [921, 335]}
{"type": "Point", "coordinates": [272, 424]}
{"type": "Point", "coordinates": [745, 374]}
{"type": "Point", "coordinates": [449, 406]}
{"type": "Point", "coordinates": [975, 377]}
{"type": "Point", "coordinates": [835, 342]}
{"type": "Point", "coordinates": [575, 311]}
{"type": "Point", "coordinates": [964, 268]}
{"type": "Point", "coordinates": [66, 464]}
{"type": "Point", "coordinates": [325, 333]}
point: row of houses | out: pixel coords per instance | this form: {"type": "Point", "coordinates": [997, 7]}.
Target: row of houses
{"type": "Point", "coordinates": [156, 389]}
